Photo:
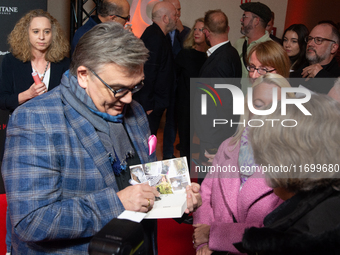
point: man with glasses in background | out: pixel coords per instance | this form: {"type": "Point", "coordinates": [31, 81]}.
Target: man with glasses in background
{"type": "Point", "coordinates": [322, 46]}
{"type": "Point", "coordinates": [107, 10]}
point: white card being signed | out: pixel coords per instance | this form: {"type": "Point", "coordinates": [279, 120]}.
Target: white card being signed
{"type": "Point", "coordinates": [170, 177]}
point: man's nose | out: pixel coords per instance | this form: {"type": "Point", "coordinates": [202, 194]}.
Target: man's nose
{"type": "Point", "coordinates": [127, 98]}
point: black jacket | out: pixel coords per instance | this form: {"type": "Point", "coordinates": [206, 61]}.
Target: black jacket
{"type": "Point", "coordinates": [322, 82]}
{"type": "Point", "coordinates": [17, 77]}
{"type": "Point", "coordinates": [308, 223]}
{"type": "Point", "coordinates": [159, 70]}
{"type": "Point", "coordinates": [224, 62]}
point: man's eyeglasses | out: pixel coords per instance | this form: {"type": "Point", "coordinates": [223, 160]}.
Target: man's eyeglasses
{"type": "Point", "coordinates": [317, 40]}
{"type": "Point", "coordinates": [123, 91]}
{"type": "Point", "coordinates": [127, 18]}
{"type": "Point", "coordinates": [260, 70]}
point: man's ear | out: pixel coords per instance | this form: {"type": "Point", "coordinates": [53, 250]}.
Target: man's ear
{"type": "Point", "coordinates": [335, 47]}
{"type": "Point", "coordinates": [113, 18]}
{"type": "Point", "coordinates": [83, 76]}
{"type": "Point", "coordinates": [165, 19]}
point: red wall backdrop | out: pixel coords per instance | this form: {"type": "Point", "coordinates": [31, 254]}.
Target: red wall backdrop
{"type": "Point", "coordinates": [310, 12]}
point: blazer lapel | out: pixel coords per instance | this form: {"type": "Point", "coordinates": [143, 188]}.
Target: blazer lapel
{"type": "Point", "coordinates": [212, 57]}
{"type": "Point", "coordinates": [206, 63]}
{"type": "Point", "coordinates": [230, 182]}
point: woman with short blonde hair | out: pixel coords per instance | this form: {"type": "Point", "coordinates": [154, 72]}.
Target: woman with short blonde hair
{"type": "Point", "coordinates": [269, 78]}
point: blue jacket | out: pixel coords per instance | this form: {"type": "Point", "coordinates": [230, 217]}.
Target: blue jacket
{"type": "Point", "coordinates": [60, 185]}
{"type": "Point", "coordinates": [81, 31]}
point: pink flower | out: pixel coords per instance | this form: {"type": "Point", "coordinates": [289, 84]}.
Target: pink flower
{"type": "Point", "coordinates": [152, 141]}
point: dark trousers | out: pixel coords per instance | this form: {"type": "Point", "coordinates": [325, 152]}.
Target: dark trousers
{"type": "Point", "coordinates": [170, 129]}
{"type": "Point", "coordinates": [154, 119]}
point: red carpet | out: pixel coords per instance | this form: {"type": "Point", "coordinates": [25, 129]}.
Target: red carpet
{"type": "Point", "coordinates": [174, 238]}
{"type": "Point", "coordinates": [3, 208]}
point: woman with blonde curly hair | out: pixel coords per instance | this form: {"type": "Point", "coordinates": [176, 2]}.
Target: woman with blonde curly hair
{"type": "Point", "coordinates": [37, 44]}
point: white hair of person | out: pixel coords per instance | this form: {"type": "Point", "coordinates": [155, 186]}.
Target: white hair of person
{"type": "Point", "coordinates": [312, 144]}
{"type": "Point", "coordinates": [269, 78]}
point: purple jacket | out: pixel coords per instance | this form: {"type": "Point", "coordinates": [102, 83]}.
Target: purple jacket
{"type": "Point", "coordinates": [222, 199]}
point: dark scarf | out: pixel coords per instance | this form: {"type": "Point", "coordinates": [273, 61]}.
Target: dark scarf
{"type": "Point", "coordinates": [109, 128]}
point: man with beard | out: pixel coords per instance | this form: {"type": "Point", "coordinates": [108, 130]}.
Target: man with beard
{"type": "Point", "coordinates": [177, 38]}
{"type": "Point", "coordinates": [178, 35]}
{"type": "Point", "coordinates": [253, 25]}
{"type": "Point", "coordinates": [322, 46]}
{"type": "Point", "coordinates": [159, 68]}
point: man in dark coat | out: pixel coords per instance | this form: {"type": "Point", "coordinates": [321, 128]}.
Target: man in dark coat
{"type": "Point", "coordinates": [223, 62]}
{"type": "Point", "coordinates": [159, 69]}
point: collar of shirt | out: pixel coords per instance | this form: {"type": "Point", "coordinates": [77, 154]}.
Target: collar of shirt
{"type": "Point", "coordinates": [172, 36]}
{"type": "Point", "coordinates": [212, 49]}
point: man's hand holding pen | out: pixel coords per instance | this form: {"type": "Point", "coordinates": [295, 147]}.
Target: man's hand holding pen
{"type": "Point", "coordinates": [138, 198]}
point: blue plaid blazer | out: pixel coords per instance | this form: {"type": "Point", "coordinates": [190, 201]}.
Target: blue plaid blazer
{"type": "Point", "coordinates": [59, 182]}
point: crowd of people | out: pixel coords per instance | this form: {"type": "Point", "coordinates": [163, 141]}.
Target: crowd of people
{"type": "Point", "coordinates": [77, 127]}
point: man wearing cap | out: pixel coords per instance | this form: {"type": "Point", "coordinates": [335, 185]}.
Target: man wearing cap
{"type": "Point", "coordinates": [253, 25]}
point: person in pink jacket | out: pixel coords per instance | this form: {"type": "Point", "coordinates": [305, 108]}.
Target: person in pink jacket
{"type": "Point", "coordinates": [234, 193]}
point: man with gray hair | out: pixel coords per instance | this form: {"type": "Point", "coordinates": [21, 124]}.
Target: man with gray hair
{"type": "Point", "coordinates": [107, 11]}
{"type": "Point", "coordinates": [159, 69]}
{"type": "Point", "coordinates": [68, 152]}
